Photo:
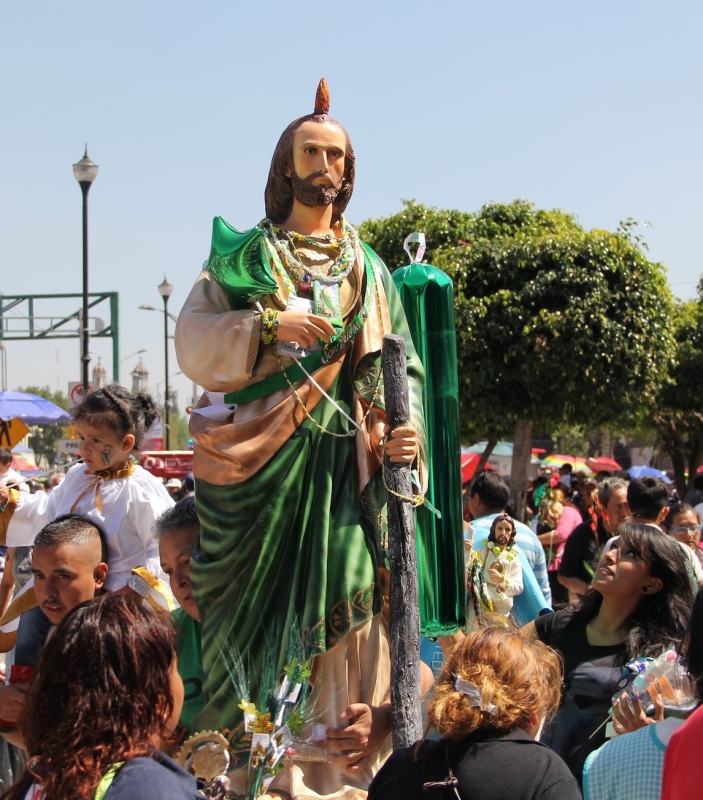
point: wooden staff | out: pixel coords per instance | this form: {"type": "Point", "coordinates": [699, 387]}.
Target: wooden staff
{"type": "Point", "coordinates": [406, 718]}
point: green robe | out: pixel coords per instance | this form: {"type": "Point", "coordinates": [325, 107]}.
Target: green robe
{"type": "Point", "coordinates": [288, 560]}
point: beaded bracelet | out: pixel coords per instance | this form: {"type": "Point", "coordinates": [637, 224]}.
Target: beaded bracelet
{"type": "Point", "coordinates": [269, 326]}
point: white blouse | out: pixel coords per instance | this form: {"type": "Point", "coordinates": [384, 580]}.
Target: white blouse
{"type": "Point", "coordinates": [130, 507]}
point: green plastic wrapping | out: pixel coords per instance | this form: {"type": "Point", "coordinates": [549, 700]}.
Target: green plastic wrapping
{"type": "Point", "coordinates": [427, 295]}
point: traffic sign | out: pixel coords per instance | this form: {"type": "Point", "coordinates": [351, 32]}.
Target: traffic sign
{"type": "Point", "coordinates": [67, 449]}
{"type": "Point", "coordinates": [12, 431]}
{"type": "Point", "coordinates": [75, 393]}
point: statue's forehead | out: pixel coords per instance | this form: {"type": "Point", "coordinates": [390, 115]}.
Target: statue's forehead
{"type": "Point", "coordinates": [327, 133]}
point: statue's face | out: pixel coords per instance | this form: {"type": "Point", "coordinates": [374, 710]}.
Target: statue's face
{"type": "Point", "coordinates": [318, 163]}
{"type": "Point", "coordinates": [503, 532]}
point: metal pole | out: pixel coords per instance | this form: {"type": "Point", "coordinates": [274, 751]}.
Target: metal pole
{"type": "Point", "coordinates": [167, 415]}
{"type": "Point", "coordinates": [3, 367]}
{"type": "Point", "coordinates": [85, 327]}
{"type": "Point", "coordinates": [115, 324]}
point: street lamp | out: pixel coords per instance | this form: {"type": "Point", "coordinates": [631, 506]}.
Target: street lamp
{"type": "Point", "coordinates": [135, 353]}
{"type": "Point", "coordinates": [86, 172]}
{"type": "Point", "coordinates": [165, 290]}
{"type": "Point", "coordinates": [151, 308]}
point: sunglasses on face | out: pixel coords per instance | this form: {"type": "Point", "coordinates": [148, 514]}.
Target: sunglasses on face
{"type": "Point", "coordinates": [686, 529]}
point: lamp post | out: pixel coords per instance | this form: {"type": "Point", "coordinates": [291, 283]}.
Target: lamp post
{"type": "Point", "coordinates": [86, 172]}
{"type": "Point", "coordinates": [165, 290]}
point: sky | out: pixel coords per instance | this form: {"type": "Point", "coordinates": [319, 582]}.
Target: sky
{"type": "Point", "coordinates": [594, 108]}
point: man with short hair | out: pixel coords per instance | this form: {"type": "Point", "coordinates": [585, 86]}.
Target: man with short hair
{"type": "Point", "coordinates": [695, 496]}
{"type": "Point", "coordinates": [565, 471]}
{"type": "Point", "coordinates": [584, 547]}
{"type": "Point", "coordinates": [488, 497]}
{"type": "Point", "coordinates": [648, 499]}
{"type": "Point", "coordinates": [69, 566]}
{"type": "Point", "coordinates": [9, 476]}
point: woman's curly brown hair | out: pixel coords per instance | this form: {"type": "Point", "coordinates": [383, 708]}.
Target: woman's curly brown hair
{"type": "Point", "coordinates": [101, 695]}
{"type": "Point", "coordinates": [521, 677]}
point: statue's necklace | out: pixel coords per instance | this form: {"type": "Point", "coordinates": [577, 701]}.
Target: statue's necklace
{"type": "Point", "coordinates": [286, 243]}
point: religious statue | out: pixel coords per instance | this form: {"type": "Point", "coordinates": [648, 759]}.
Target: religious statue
{"type": "Point", "coordinates": [283, 329]}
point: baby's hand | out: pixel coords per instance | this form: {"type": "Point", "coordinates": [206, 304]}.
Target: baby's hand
{"type": "Point", "coordinates": [129, 593]}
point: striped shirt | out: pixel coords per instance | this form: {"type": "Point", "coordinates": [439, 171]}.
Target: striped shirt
{"type": "Point", "coordinates": [630, 766]}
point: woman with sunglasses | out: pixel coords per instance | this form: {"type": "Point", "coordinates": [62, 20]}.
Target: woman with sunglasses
{"type": "Point", "coordinates": [682, 523]}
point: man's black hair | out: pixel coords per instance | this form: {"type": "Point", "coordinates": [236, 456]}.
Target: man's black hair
{"type": "Point", "coordinates": [647, 496]}
{"type": "Point", "coordinates": [180, 517]}
{"type": "Point", "coordinates": [71, 529]}
{"type": "Point", "coordinates": [491, 490]}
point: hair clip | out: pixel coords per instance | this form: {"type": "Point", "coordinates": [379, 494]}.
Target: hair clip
{"type": "Point", "coordinates": [473, 693]}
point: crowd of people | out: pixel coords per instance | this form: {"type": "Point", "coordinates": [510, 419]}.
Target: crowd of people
{"type": "Point", "coordinates": [109, 575]}
{"type": "Point", "coordinates": [135, 616]}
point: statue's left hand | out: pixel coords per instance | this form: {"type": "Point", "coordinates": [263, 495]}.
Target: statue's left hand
{"type": "Point", "coordinates": [402, 443]}
{"type": "Point", "coordinates": [352, 746]}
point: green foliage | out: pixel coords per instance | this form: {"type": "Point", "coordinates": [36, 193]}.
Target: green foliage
{"type": "Point", "coordinates": [441, 229]}
{"type": "Point", "coordinates": [44, 438]}
{"type": "Point", "coordinates": [683, 387]}
{"type": "Point", "coordinates": [556, 325]}
{"type": "Point", "coordinates": [678, 420]}
{"type": "Point", "coordinates": [179, 431]}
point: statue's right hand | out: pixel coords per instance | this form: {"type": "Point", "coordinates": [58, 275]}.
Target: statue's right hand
{"type": "Point", "coordinates": [303, 328]}
{"type": "Point", "coordinates": [4, 494]}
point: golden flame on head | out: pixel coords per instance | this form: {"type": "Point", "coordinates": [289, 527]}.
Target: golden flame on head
{"type": "Point", "coordinates": [322, 99]}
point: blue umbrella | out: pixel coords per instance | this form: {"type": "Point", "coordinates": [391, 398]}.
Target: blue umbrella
{"type": "Point", "coordinates": [30, 408]}
{"type": "Point", "coordinates": [643, 471]}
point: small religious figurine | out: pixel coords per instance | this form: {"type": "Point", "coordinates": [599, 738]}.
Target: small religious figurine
{"type": "Point", "coordinates": [494, 573]}
{"type": "Point", "coordinates": [283, 329]}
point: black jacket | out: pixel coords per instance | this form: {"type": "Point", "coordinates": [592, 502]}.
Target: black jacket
{"type": "Point", "coordinates": [509, 767]}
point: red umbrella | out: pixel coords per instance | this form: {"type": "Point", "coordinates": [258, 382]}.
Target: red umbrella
{"type": "Point", "coordinates": [603, 464]}
{"type": "Point", "coordinates": [24, 466]}
{"type": "Point", "coordinates": [469, 462]}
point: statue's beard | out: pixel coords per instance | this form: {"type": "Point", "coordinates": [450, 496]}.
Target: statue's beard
{"type": "Point", "coordinates": [310, 195]}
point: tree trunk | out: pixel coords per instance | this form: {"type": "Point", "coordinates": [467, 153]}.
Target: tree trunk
{"type": "Point", "coordinates": [522, 450]}
{"type": "Point", "coordinates": [490, 445]}
{"type": "Point", "coordinates": [404, 618]}
{"type": "Point", "coordinates": [679, 464]}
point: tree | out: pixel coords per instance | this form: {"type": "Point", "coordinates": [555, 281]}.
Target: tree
{"type": "Point", "coordinates": [677, 419]}
{"type": "Point", "coordinates": [441, 229]}
{"type": "Point", "coordinates": [556, 325]}
{"type": "Point", "coordinates": [44, 438]}
{"type": "Point", "coordinates": [180, 434]}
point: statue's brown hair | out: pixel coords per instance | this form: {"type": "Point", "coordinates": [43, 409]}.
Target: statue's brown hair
{"type": "Point", "coordinates": [278, 196]}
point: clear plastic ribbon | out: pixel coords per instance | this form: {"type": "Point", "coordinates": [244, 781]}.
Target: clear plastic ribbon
{"type": "Point", "coordinates": [418, 239]}
{"type": "Point", "coordinates": [473, 693]}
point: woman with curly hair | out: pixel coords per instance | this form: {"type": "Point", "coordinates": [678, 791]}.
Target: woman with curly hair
{"type": "Point", "coordinates": [106, 698]}
{"type": "Point", "coordinates": [638, 604]}
{"type": "Point", "coordinates": [494, 693]}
